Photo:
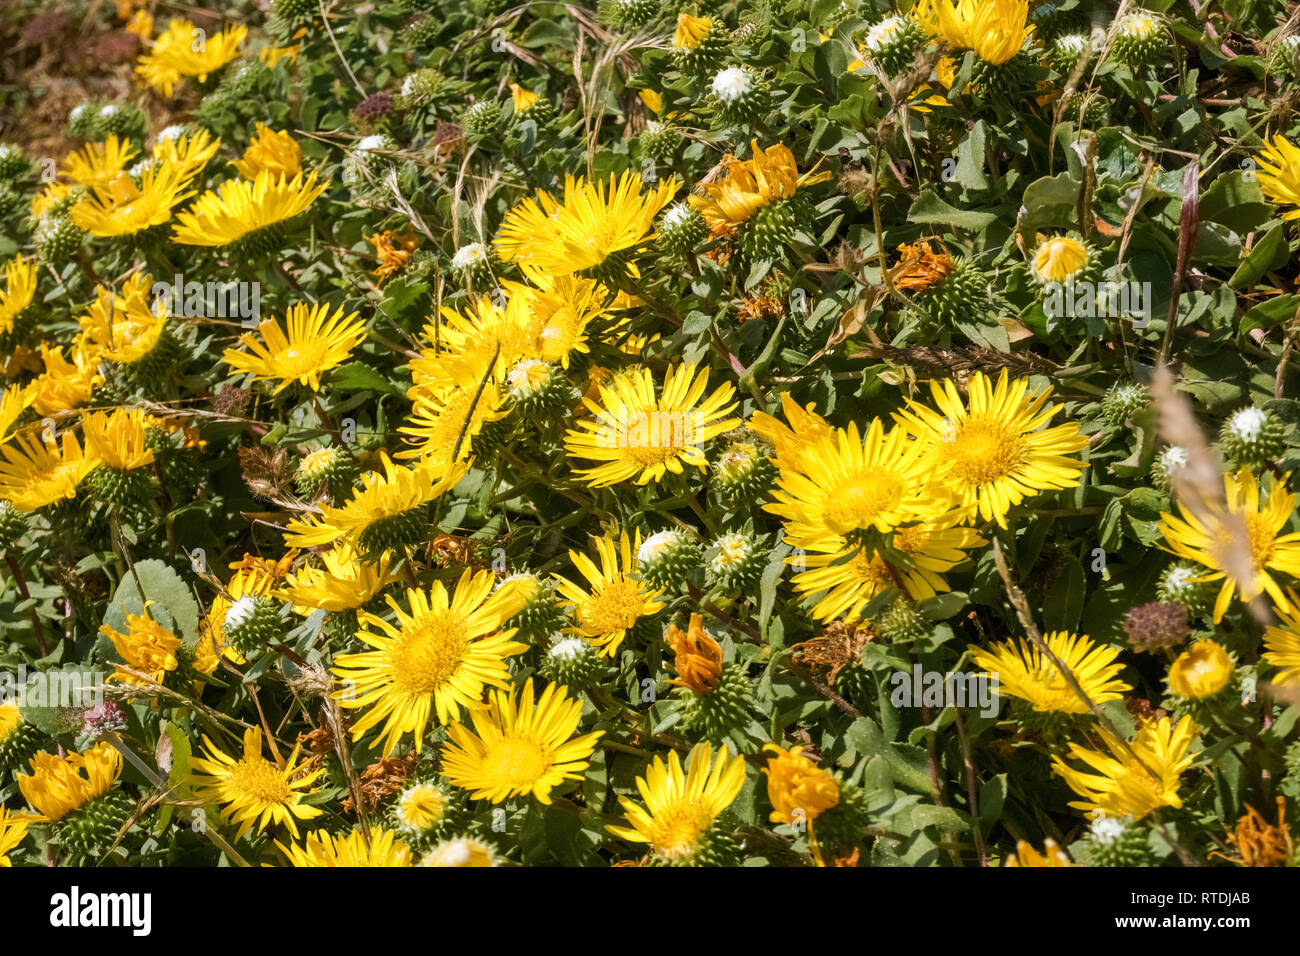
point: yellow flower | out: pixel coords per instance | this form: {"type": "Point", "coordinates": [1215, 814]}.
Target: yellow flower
{"type": "Point", "coordinates": [994, 29]}
{"type": "Point", "coordinates": [13, 829]}
{"type": "Point", "coordinates": [146, 646]}
{"type": "Point", "coordinates": [238, 208]}
{"type": "Point", "coordinates": [652, 99]}
{"type": "Point", "coordinates": [1208, 541]}
{"type": "Point", "coordinates": [393, 251]}
{"type": "Point", "coordinates": [188, 153]}
{"type": "Point", "coordinates": [141, 24]}
{"type": "Point", "coordinates": [13, 402]}
{"type": "Point", "coordinates": [1059, 259]}
{"type": "Point", "coordinates": [273, 152]}
{"type": "Point", "coordinates": [98, 164]}
{"type": "Point", "coordinates": [382, 848]}
{"type": "Point", "coordinates": [462, 851]}
{"type": "Point", "coordinates": [998, 451]}
{"type": "Point", "coordinates": [1201, 671]}
{"type": "Point", "coordinates": [118, 440]}
{"type": "Point", "coordinates": [1282, 643]}
{"type": "Point", "coordinates": [345, 583]}
{"type": "Point", "coordinates": [124, 327]}
{"type": "Point", "coordinates": [122, 209]}
{"type": "Point", "coordinates": [595, 226]}
{"type": "Point", "coordinates": [18, 292]}
{"type": "Point", "coordinates": [58, 786]}
{"type": "Point", "coordinates": [253, 789]}
{"type": "Point", "coordinates": [519, 747]}
{"type": "Point", "coordinates": [1125, 786]}
{"type": "Point", "coordinates": [919, 267]}
{"type": "Point", "coordinates": [1279, 174]}
{"type": "Point", "coordinates": [420, 807]}
{"type": "Point", "coordinates": [1026, 855]}
{"type": "Point", "coordinates": [617, 599]}
{"type": "Point", "coordinates": [636, 435]}
{"type": "Point", "coordinates": [691, 31]}
{"type": "Point", "coordinates": [1024, 671]}
{"type": "Point", "coordinates": [698, 657]}
{"type": "Point", "coordinates": [445, 422]}
{"type": "Point", "coordinates": [437, 659]}
{"type": "Point", "coordinates": [271, 55]}
{"type": "Point", "coordinates": [805, 429]}
{"type": "Point", "coordinates": [523, 99]}
{"type": "Point", "coordinates": [35, 472]}
{"type": "Point", "coordinates": [64, 385]}
{"type": "Point", "coordinates": [185, 50]}
{"type": "Point", "coordinates": [681, 806]}
{"type": "Point", "coordinates": [749, 185]}
{"type": "Point", "coordinates": [246, 582]}
{"type": "Point", "coordinates": [309, 344]}
{"type": "Point", "coordinates": [383, 501]}
{"type": "Point", "coordinates": [798, 789]}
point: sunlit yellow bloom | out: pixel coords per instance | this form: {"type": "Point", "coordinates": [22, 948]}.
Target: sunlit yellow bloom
{"type": "Point", "coordinates": [98, 164]}
{"type": "Point", "coordinates": [35, 472]}
{"type": "Point", "coordinates": [519, 746]}
{"type": "Point", "coordinates": [189, 153]}
{"type": "Point", "coordinates": [1201, 671]}
{"type": "Point", "coordinates": [18, 292]}
{"type": "Point", "coordinates": [393, 251]}
{"type": "Point", "coordinates": [13, 402]}
{"type": "Point", "coordinates": [271, 55]}
{"type": "Point", "coordinates": [652, 99]}
{"type": "Point", "coordinates": [522, 99]}
{"type": "Point", "coordinates": [141, 24]}
{"type": "Point", "coordinates": [58, 786]}
{"type": "Point", "coordinates": [805, 429]}
{"type": "Point", "coordinates": [594, 223]}
{"type": "Point", "coordinates": [691, 31]}
{"type": "Point", "coordinates": [638, 436]}
{"type": "Point", "coordinates": [1026, 855]}
{"type": "Point", "coordinates": [437, 659]}
{"type": "Point", "coordinates": [617, 599]}
{"type": "Point", "coordinates": [126, 326]}
{"type": "Point", "coordinates": [749, 185]}
{"type": "Point", "coordinates": [345, 583]}
{"type": "Point", "coordinates": [321, 849]}
{"type": "Point", "coordinates": [1282, 643]}
{"type": "Point", "coordinates": [394, 494]}
{"type": "Point", "coordinates": [461, 851]}
{"type": "Point", "coordinates": [238, 208]}
{"type": "Point", "coordinates": [1124, 786]}
{"type": "Point", "coordinates": [13, 829]}
{"type": "Point", "coordinates": [185, 50]}
{"type": "Point", "coordinates": [51, 195]}
{"type": "Point", "coordinates": [310, 343]}
{"type": "Point", "coordinates": [994, 29]}
{"type": "Point", "coordinates": [445, 422]}
{"type": "Point", "coordinates": [1208, 541]}
{"type": "Point", "coordinates": [1026, 672]}
{"type": "Point", "coordinates": [147, 647]}
{"type": "Point", "coordinates": [1059, 259]}
{"type": "Point", "coordinates": [798, 789]}
{"type": "Point", "coordinates": [1279, 174]}
{"type": "Point", "coordinates": [122, 209]}
{"type": "Point", "coordinates": [997, 451]}
{"type": "Point", "coordinates": [273, 152]}
{"type": "Point", "coordinates": [421, 807]}
{"type": "Point", "coordinates": [253, 789]}
{"type": "Point", "coordinates": [118, 439]}
{"type": "Point", "coordinates": [681, 805]}
{"type": "Point", "coordinates": [64, 384]}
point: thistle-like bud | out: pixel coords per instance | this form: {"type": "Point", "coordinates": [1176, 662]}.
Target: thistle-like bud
{"type": "Point", "coordinates": [1157, 625]}
{"type": "Point", "coordinates": [665, 558]}
{"type": "Point", "coordinates": [537, 389]}
{"type": "Point", "coordinates": [86, 834]}
{"type": "Point", "coordinates": [56, 238]}
{"type": "Point", "coordinates": [13, 162]}
{"type": "Point", "coordinates": [902, 621]}
{"type": "Point", "coordinates": [892, 44]}
{"type": "Point", "coordinates": [681, 230]}
{"type": "Point", "coordinates": [743, 473]}
{"type": "Point", "coordinates": [735, 561]}
{"type": "Point", "coordinates": [627, 15]}
{"type": "Point", "coordinates": [331, 467]}
{"type": "Point", "coordinates": [572, 661]}
{"type": "Point", "coordinates": [1167, 465]}
{"type": "Point", "coordinates": [474, 263]}
{"type": "Point", "coordinates": [1118, 841]}
{"type": "Point", "coordinates": [1251, 437]}
{"type": "Point", "coordinates": [253, 623]}
{"type": "Point", "coordinates": [659, 141]}
{"type": "Point", "coordinates": [480, 119]}
{"type": "Point", "coordinates": [1123, 400]}
{"type": "Point", "coordinates": [1183, 583]}
{"type": "Point", "coordinates": [1140, 39]}
{"type": "Point", "coordinates": [740, 95]}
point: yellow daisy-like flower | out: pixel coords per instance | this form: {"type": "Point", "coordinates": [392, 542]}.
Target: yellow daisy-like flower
{"type": "Point", "coordinates": [994, 29]}
{"type": "Point", "coordinates": [124, 327]}
{"type": "Point", "coordinates": [636, 435]}
{"type": "Point", "coordinates": [790, 441]}
{"type": "Point", "coordinates": [141, 24]}
{"type": "Point", "coordinates": [18, 292]}
{"type": "Point", "coordinates": [1282, 643]}
{"type": "Point", "coordinates": [64, 384]}
{"type": "Point", "coordinates": [345, 583]}
{"type": "Point", "coordinates": [35, 472]}
{"type": "Point", "coordinates": [691, 31]}
{"type": "Point", "coordinates": [98, 164]}
{"type": "Point", "coordinates": [185, 50]}
{"type": "Point", "coordinates": [460, 852]}
{"type": "Point", "coordinates": [522, 99]}
{"type": "Point", "coordinates": [1026, 855]}
{"type": "Point", "coordinates": [58, 786]}
{"type": "Point", "coordinates": [253, 789]}
{"type": "Point", "coordinates": [519, 746]}
{"type": "Point", "coordinates": [1124, 786]}
{"type": "Point", "coordinates": [270, 151]}
{"type": "Point", "coordinates": [383, 848]}
{"type": "Point", "coordinates": [617, 599]}
{"type": "Point", "coordinates": [13, 830]}
{"type": "Point", "coordinates": [798, 789]}
{"type": "Point", "coordinates": [120, 208]}
{"type": "Point", "coordinates": [1024, 671]}
{"type": "Point", "coordinates": [437, 659]}
{"type": "Point", "coordinates": [146, 646]}
{"type": "Point", "coordinates": [189, 152]}
{"type": "Point", "coordinates": [680, 806]}
{"type": "Point", "coordinates": [1059, 259]}
{"type": "Point", "coordinates": [593, 223]}
{"type": "Point", "coordinates": [420, 807]}
{"type": "Point", "coordinates": [238, 208]}
{"type": "Point", "coordinates": [998, 451]}
{"type": "Point", "coordinates": [271, 55]}
{"type": "Point", "coordinates": [1207, 541]}
{"type": "Point", "coordinates": [310, 343]}
{"type": "Point", "coordinates": [1279, 174]}
{"type": "Point", "coordinates": [749, 185]}
{"type": "Point", "coordinates": [51, 195]}
{"type": "Point", "coordinates": [118, 440]}
{"type": "Point", "coordinates": [1201, 671]}
{"type": "Point", "coordinates": [13, 402]}
{"type": "Point", "coordinates": [445, 422]}
{"type": "Point", "coordinates": [383, 500]}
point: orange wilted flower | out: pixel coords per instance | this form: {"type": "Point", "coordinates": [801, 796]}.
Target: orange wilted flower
{"type": "Point", "coordinates": [920, 267]}
{"type": "Point", "coordinates": [699, 657]}
{"type": "Point", "coordinates": [394, 252]}
{"type": "Point", "coordinates": [1258, 842]}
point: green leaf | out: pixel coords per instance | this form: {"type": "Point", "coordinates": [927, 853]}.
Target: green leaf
{"type": "Point", "coordinates": [930, 209]}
